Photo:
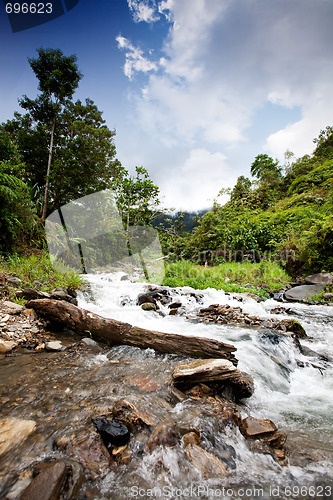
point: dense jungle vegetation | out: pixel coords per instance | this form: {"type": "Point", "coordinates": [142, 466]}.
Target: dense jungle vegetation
{"type": "Point", "coordinates": [284, 214]}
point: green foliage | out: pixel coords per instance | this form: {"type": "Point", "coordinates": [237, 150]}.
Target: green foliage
{"type": "Point", "coordinates": [137, 198]}
{"type": "Point", "coordinates": [39, 267]}
{"type": "Point", "coordinates": [231, 277]}
{"type": "Point", "coordinates": [286, 218]}
{"type": "Point", "coordinates": [16, 211]}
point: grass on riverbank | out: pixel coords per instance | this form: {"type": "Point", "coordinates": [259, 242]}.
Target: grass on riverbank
{"type": "Point", "coordinates": [258, 278]}
{"type": "Point", "coordinates": [38, 268]}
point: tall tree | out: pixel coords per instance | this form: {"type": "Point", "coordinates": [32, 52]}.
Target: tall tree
{"type": "Point", "coordinates": [58, 77]}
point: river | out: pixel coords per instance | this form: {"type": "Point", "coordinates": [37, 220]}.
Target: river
{"type": "Point", "coordinates": [62, 392]}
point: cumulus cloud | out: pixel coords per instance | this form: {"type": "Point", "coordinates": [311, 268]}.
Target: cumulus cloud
{"type": "Point", "coordinates": [222, 61]}
{"type": "Point", "coordinates": [197, 182]}
{"type": "Point", "coordinates": [135, 60]}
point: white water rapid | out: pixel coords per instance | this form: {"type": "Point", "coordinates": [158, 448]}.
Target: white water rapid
{"type": "Point", "coordinates": [293, 390]}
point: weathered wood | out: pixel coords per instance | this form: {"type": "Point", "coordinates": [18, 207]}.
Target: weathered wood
{"type": "Point", "coordinates": [214, 370]}
{"type": "Point", "coordinates": [117, 332]}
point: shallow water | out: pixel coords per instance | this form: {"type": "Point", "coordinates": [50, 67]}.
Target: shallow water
{"type": "Point", "coordinates": [63, 391]}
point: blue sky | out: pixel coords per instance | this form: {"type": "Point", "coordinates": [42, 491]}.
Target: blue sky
{"type": "Point", "coordinates": [194, 88]}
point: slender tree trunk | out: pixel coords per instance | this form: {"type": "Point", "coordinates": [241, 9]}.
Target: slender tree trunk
{"type": "Point", "coordinates": [48, 171]}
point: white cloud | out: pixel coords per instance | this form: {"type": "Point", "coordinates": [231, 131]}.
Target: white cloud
{"type": "Point", "coordinates": [143, 10]}
{"type": "Point", "coordinates": [135, 60]}
{"type": "Point", "coordinates": [197, 182]}
{"type": "Point", "coordinates": [222, 61]}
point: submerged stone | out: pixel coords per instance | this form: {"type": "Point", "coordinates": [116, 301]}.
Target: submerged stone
{"type": "Point", "coordinates": [13, 431]}
{"type": "Point", "coordinates": [47, 485]}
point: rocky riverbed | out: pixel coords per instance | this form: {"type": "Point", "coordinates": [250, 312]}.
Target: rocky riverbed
{"type": "Point", "coordinates": [81, 420]}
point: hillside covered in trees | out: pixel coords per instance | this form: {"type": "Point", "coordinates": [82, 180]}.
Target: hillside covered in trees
{"type": "Point", "coordinates": [285, 214]}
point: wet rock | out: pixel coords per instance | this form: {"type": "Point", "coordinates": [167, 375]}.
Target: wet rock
{"type": "Point", "coordinates": [47, 485]}
{"type": "Point", "coordinates": [113, 433]}
{"type": "Point", "coordinates": [128, 414]}
{"type": "Point", "coordinates": [191, 438]}
{"type": "Point", "coordinates": [13, 431]}
{"type": "Point", "coordinates": [90, 451]}
{"type": "Point", "coordinates": [148, 306]}
{"type": "Point", "coordinates": [303, 292]}
{"type": "Point", "coordinates": [12, 307]}
{"type": "Point", "coordinates": [293, 326]}
{"type": "Point", "coordinates": [61, 442]}
{"type": "Point", "coordinates": [163, 435]}
{"type": "Point", "coordinates": [7, 346]}
{"type": "Point", "coordinates": [252, 427]}
{"type": "Point", "coordinates": [91, 343]}
{"type": "Point", "coordinates": [322, 278]}
{"type": "Point", "coordinates": [214, 370]}
{"type": "Point", "coordinates": [209, 465]}
{"type": "Point", "coordinates": [173, 312]}
{"type": "Point", "coordinates": [143, 382]}
{"type": "Point", "coordinates": [55, 345]}
{"type": "Point", "coordinates": [175, 305]}
{"type": "Point", "coordinates": [144, 298]}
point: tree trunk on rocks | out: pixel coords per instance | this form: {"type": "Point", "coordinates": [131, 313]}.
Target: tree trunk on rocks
{"type": "Point", "coordinates": [116, 332]}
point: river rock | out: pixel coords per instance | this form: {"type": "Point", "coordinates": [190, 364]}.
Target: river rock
{"type": "Point", "coordinates": [47, 485]}
{"type": "Point", "coordinates": [191, 438]}
{"type": "Point", "coordinates": [144, 298]}
{"type": "Point", "coordinates": [13, 431]}
{"type": "Point", "coordinates": [90, 451]}
{"type": "Point", "coordinates": [303, 292]}
{"type": "Point", "coordinates": [54, 345]}
{"type": "Point", "coordinates": [148, 306]}
{"type": "Point", "coordinates": [113, 433]}
{"type": "Point", "coordinates": [209, 465]}
{"type": "Point", "coordinates": [128, 414]}
{"type": "Point", "coordinates": [91, 343]}
{"type": "Point", "coordinates": [6, 346]}
{"type": "Point", "coordinates": [163, 435]}
{"type": "Point", "coordinates": [322, 278]}
{"type": "Point", "coordinates": [214, 370]}
{"type": "Point", "coordinates": [175, 305]}
{"type": "Point", "coordinates": [293, 326]}
{"type": "Point", "coordinates": [12, 307]}
{"type": "Point", "coordinates": [252, 427]}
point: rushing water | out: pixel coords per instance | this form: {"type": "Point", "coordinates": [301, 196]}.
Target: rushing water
{"type": "Point", "coordinates": [62, 391]}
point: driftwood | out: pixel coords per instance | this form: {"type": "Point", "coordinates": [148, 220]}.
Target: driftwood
{"type": "Point", "coordinates": [118, 333]}
{"type": "Point", "coordinates": [221, 371]}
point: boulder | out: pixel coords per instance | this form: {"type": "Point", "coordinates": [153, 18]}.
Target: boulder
{"type": "Point", "coordinates": [31, 293]}
{"type": "Point", "coordinates": [13, 431]}
{"type": "Point", "coordinates": [322, 278]}
{"type": "Point", "coordinates": [303, 292]}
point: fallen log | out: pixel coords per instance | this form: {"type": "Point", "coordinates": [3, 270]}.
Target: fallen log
{"type": "Point", "coordinates": [116, 332]}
